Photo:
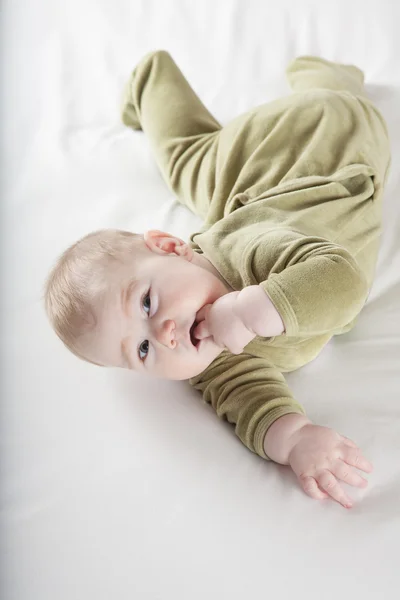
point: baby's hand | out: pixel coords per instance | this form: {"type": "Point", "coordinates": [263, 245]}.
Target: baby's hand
{"type": "Point", "coordinates": [219, 322]}
{"type": "Point", "coordinates": [320, 457]}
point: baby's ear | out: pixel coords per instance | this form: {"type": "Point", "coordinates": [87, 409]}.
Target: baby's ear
{"type": "Point", "coordinates": [161, 242]}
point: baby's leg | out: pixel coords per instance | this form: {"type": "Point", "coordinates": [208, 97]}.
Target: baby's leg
{"type": "Point", "coordinates": [310, 72]}
{"type": "Point", "coordinates": [182, 133]}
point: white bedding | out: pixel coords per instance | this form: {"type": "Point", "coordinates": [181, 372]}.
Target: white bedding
{"type": "Point", "coordinates": [118, 487]}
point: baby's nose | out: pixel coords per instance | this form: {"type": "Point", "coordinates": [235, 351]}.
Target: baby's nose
{"type": "Point", "coordinates": [165, 334]}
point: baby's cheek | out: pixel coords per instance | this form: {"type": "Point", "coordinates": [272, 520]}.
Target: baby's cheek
{"type": "Point", "coordinates": [170, 366]}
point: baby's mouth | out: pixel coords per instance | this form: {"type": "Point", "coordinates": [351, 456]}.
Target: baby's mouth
{"type": "Point", "coordinates": [193, 338]}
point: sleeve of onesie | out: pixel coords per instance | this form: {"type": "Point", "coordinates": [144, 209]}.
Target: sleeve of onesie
{"type": "Point", "coordinates": [248, 392]}
{"type": "Point", "coordinates": [316, 286]}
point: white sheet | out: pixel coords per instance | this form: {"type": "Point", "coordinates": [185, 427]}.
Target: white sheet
{"type": "Point", "coordinates": [119, 487]}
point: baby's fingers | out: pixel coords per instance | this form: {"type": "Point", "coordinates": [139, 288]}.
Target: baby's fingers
{"type": "Point", "coordinates": [202, 331]}
{"type": "Point", "coordinates": [203, 313]}
{"type": "Point", "coordinates": [348, 442]}
{"type": "Point", "coordinates": [330, 485]}
{"type": "Point", "coordinates": [353, 457]}
{"type": "Point", "coordinates": [346, 473]}
{"type": "Point", "coordinates": [311, 488]}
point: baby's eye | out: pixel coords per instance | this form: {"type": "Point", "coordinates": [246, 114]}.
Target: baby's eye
{"type": "Point", "coordinates": [147, 303]}
{"type": "Point", "coordinates": [143, 350]}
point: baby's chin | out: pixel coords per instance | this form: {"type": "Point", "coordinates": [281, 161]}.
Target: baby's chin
{"type": "Point", "coordinates": [188, 371]}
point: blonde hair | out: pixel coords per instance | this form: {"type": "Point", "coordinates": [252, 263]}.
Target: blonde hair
{"type": "Point", "coordinates": [81, 277]}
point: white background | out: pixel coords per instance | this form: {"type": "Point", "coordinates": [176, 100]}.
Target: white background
{"type": "Point", "coordinates": [118, 487]}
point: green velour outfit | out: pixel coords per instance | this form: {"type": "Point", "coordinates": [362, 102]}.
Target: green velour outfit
{"type": "Point", "coordinates": [291, 197]}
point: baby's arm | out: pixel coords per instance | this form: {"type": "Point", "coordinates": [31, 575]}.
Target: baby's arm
{"type": "Point", "coordinates": [254, 396]}
{"type": "Point", "coordinates": [250, 393]}
{"type": "Point", "coordinates": [307, 286]}
{"type": "Point", "coordinates": [312, 287]}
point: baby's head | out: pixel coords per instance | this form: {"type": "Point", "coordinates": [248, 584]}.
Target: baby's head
{"type": "Point", "coordinates": [120, 299]}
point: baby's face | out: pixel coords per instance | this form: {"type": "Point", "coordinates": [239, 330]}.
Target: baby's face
{"type": "Point", "coordinates": [147, 325]}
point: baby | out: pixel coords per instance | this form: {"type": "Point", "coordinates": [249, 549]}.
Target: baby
{"type": "Point", "coordinates": [290, 194]}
